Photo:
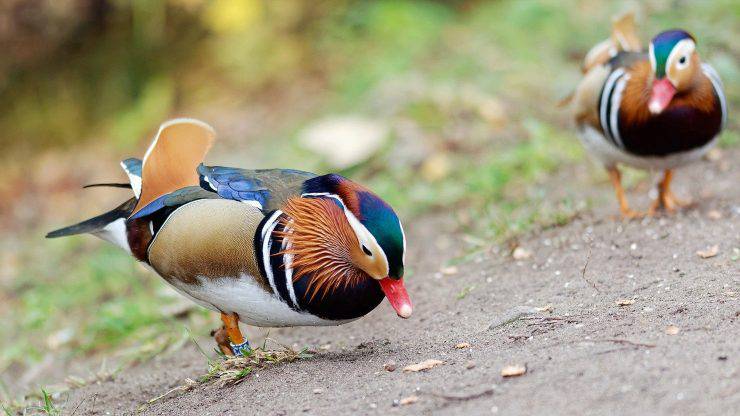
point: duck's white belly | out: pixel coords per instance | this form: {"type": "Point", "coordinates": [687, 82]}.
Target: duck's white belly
{"type": "Point", "coordinates": [599, 147]}
{"type": "Point", "coordinates": [251, 302]}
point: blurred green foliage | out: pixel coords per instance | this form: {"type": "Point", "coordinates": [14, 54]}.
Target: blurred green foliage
{"type": "Point", "coordinates": [115, 68]}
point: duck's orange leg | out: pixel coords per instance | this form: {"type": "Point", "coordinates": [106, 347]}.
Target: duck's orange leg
{"type": "Point", "coordinates": [666, 198]}
{"type": "Point", "coordinates": [238, 344]}
{"type": "Point", "coordinates": [616, 177]}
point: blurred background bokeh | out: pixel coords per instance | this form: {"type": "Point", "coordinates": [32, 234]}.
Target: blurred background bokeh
{"type": "Point", "coordinates": [442, 107]}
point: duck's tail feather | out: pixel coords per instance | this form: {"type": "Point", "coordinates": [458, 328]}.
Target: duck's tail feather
{"type": "Point", "coordinates": [623, 38]}
{"type": "Point", "coordinates": [108, 185]}
{"type": "Point", "coordinates": [110, 226]}
{"type": "Point", "coordinates": [172, 160]}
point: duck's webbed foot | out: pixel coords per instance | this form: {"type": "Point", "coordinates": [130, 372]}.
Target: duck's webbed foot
{"type": "Point", "coordinates": [666, 198]}
{"type": "Point", "coordinates": [222, 340]}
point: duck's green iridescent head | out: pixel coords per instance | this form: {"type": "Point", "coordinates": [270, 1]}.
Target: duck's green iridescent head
{"type": "Point", "coordinates": [383, 223]}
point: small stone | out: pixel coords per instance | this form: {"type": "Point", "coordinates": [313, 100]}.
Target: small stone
{"type": "Point", "coordinates": [462, 345]}
{"type": "Point", "coordinates": [625, 302]}
{"type": "Point", "coordinates": [672, 330]}
{"type": "Point", "coordinates": [470, 365]}
{"type": "Point", "coordinates": [318, 391]}
{"type": "Point", "coordinates": [390, 366]}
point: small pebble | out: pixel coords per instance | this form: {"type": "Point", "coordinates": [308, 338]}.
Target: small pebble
{"type": "Point", "coordinates": [390, 366]}
{"type": "Point", "coordinates": [470, 365]}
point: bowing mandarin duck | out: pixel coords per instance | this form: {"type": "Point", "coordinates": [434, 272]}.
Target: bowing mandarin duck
{"type": "Point", "coordinates": [656, 110]}
{"type": "Point", "coordinates": [274, 247]}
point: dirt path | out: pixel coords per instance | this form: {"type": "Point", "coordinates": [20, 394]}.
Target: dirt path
{"type": "Point", "coordinates": [584, 354]}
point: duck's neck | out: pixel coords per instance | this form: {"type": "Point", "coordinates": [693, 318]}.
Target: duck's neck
{"type": "Point", "coordinates": [352, 300]}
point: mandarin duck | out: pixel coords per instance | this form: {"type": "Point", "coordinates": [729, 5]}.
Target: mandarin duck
{"type": "Point", "coordinates": [273, 247]}
{"type": "Point", "coordinates": [657, 110]}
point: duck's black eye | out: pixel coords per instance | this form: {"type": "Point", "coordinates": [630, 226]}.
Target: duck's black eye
{"type": "Point", "coordinates": [682, 60]}
{"type": "Point", "coordinates": [366, 250]}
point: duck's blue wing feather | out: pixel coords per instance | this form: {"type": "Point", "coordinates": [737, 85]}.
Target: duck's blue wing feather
{"type": "Point", "coordinates": [265, 188]}
{"type": "Point", "coordinates": [233, 183]}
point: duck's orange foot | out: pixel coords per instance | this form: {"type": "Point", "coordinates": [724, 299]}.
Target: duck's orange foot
{"type": "Point", "coordinates": [230, 337]}
{"type": "Point", "coordinates": [624, 208]}
{"type": "Point", "coordinates": [666, 199]}
{"type": "Point", "coordinates": [669, 202]}
{"type": "Point", "coordinates": [221, 336]}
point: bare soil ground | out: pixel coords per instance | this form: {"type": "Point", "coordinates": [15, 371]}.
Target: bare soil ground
{"type": "Point", "coordinates": [672, 347]}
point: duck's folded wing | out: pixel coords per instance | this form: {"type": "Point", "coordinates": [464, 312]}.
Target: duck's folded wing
{"type": "Point", "coordinates": [175, 199]}
{"type": "Point", "coordinates": [266, 189]}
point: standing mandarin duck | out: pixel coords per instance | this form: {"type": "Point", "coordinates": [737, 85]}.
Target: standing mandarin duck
{"type": "Point", "coordinates": [274, 247]}
{"type": "Point", "coordinates": [656, 110]}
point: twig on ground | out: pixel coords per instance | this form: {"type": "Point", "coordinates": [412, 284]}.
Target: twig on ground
{"type": "Point", "coordinates": [512, 316]}
{"type": "Point", "coordinates": [463, 397]}
{"type": "Point", "coordinates": [625, 341]}
{"type": "Point", "coordinates": [583, 272]}
{"type": "Point", "coordinates": [189, 384]}
{"type": "Point", "coordinates": [551, 318]}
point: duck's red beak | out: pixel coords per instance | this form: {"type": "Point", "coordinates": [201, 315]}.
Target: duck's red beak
{"type": "Point", "coordinates": [396, 293]}
{"type": "Point", "coordinates": [661, 95]}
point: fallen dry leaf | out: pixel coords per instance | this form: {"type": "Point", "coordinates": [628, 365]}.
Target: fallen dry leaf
{"type": "Point", "coordinates": [424, 365]}
{"type": "Point", "coordinates": [513, 370]}
{"type": "Point", "coordinates": [625, 302]}
{"type": "Point", "coordinates": [714, 215]}
{"type": "Point", "coordinates": [408, 400]}
{"type": "Point", "coordinates": [521, 253]}
{"type": "Point", "coordinates": [713, 155]}
{"type": "Point", "coordinates": [709, 252]}
{"type": "Point", "coordinates": [546, 308]}
{"type": "Point", "coordinates": [436, 167]}
{"type": "Point", "coordinates": [449, 270]}
{"type": "Point", "coordinates": [462, 345]}
{"type": "Point", "coordinates": [672, 330]}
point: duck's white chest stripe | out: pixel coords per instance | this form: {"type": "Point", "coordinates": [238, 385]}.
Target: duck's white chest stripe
{"type": "Point", "coordinates": [718, 89]}
{"type": "Point", "coordinates": [267, 230]}
{"type": "Point", "coordinates": [614, 116]}
{"type": "Point", "coordinates": [278, 267]}
{"type": "Point", "coordinates": [611, 97]}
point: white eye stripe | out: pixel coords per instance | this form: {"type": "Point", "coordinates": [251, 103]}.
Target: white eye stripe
{"type": "Point", "coordinates": [683, 49]}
